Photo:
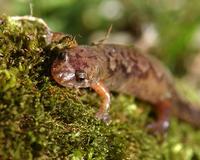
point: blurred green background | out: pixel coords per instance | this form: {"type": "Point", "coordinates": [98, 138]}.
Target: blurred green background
{"type": "Point", "coordinates": [170, 29]}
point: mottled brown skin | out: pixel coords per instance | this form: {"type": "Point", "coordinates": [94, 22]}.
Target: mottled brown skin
{"type": "Point", "coordinates": [109, 67]}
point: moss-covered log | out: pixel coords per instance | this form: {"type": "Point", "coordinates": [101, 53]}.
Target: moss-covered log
{"type": "Point", "coordinates": [41, 120]}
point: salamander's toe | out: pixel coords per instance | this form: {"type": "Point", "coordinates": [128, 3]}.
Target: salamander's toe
{"type": "Point", "coordinates": [158, 128]}
{"type": "Point", "coordinates": [103, 116]}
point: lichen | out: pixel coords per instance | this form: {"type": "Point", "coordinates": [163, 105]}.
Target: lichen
{"type": "Point", "coordinates": [42, 120]}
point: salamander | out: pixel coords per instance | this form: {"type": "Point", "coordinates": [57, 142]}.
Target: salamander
{"type": "Point", "coordinates": [124, 69]}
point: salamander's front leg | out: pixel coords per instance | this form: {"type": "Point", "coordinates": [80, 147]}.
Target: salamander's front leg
{"type": "Point", "coordinates": [105, 104]}
{"type": "Point", "coordinates": [162, 109]}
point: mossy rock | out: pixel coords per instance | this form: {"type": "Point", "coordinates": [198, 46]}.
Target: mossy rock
{"type": "Point", "coordinates": [41, 120]}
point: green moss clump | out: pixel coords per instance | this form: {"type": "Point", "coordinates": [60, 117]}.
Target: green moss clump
{"type": "Point", "coordinates": [41, 120]}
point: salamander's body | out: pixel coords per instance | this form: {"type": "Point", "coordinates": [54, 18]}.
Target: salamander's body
{"type": "Point", "coordinates": [123, 69]}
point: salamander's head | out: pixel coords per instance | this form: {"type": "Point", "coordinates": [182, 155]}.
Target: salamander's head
{"type": "Point", "coordinates": [72, 68]}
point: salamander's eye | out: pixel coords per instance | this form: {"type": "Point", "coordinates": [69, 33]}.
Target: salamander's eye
{"type": "Point", "coordinates": [80, 76]}
{"type": "Point", "coordinates": [62, 56]}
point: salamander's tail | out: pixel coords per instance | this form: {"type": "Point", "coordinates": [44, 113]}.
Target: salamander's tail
{"type": "Point", "coordinates": [186, 111]}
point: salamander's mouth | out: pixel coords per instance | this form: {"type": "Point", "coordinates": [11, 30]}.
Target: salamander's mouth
{"type": "Point", "coordinates": [66, 78]}
{"type": "Point", "coordinates": [62, 73]}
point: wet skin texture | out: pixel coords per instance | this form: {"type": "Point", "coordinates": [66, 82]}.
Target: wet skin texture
{"type": "Point", "coordinates": [110, 67]}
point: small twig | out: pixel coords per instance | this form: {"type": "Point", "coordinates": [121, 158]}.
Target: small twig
{"type": "Point", "coordinates": [31, 7]}
{"type": "Point", "coordinates": [105, 38]}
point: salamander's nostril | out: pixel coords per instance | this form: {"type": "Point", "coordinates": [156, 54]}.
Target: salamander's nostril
{"type": "Point", "coordinates": [62, 56]}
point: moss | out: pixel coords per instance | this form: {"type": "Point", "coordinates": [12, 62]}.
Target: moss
{"type": "Point", "coordinates": [41, 120]}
